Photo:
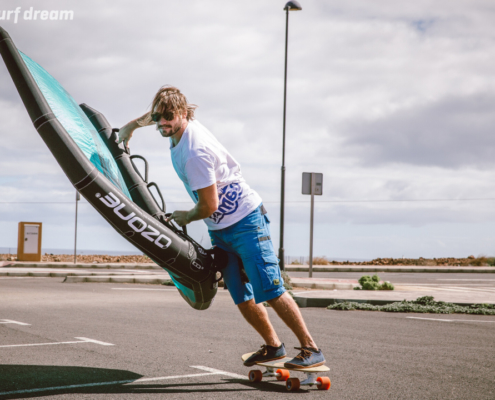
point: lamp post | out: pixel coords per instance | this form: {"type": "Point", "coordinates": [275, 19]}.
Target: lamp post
{"type": "Point", "coordinates": [78, 197]}
{"type": "Point", "coordinates": [290, 6]}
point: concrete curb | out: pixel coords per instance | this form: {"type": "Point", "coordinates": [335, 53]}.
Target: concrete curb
{"type": "Point", "coordinates": [18, 264]}
{"type": "Point", "coordinates": [288, 268]}
{"type": "Point", "coordinates": [86, 276]}
{"type": "Point", "coordinates": [324, 285]}
{"type": "Point", "coordinates": [45, 274]}
{"type": "Point", "coordinates": [116, 279]}
{"type": "Point", "coordinates": [304, 302]}
{"type": "Point", "coordinates": [383, 268]}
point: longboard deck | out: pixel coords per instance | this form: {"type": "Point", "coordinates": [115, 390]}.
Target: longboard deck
{"type": "Point", "coordinates": [280, 364]}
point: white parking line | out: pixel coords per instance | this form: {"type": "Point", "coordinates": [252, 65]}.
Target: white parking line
{"type": "Point", "coordinates": [450, 320]}
{"type": "Point", "coordinates": [9, 321]}
{"type": "Point", "coordinates": [83, 340]}
{"type": "Point", "coordinates": [218, 371]}
{"type": "Point", "coordinates": [94, 341]}
{"type": "Point", "coordinates": [210, 371]}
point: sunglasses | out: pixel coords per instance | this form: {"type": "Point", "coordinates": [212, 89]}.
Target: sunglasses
{"type": "Point", "coordinates": [167, 116]}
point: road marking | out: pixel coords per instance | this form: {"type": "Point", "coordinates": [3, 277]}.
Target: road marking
{"type": "Point", "coordinates": [443, 284]}
{"type": "Point", "coordinates": [9, 321]}
{"type": "Point", "coordinates": [162, 290]}
{"type": "Point", "coordinates": [94, 341]}
{"type": "Point", "coordinates": [309, 291]}
{"type": "Point", "coordinates": [449, 320]}
{"type": "Point", "coordinates": [218, 371]}
{"type": "Point", "coordinates": [447, 289]}
{"type": "Point", "coordinates": [83, 340]}
{"type": "Point", "coordinates": [102, 384]}
{"type": "Point", "coordinates": [452, 279]}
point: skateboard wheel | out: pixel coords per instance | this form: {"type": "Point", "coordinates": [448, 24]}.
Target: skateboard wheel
{"type": "Point", "coordinates": [283, 375]}
{"type": "Point", "coordinates": [324, 383]}
{"type": "Point", "coordinates": [293, 384]}
{"type": "Point", "coordinates": [255, 375]}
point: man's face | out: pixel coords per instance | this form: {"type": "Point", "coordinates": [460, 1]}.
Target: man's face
{"type": "Point", "coordinates": [170, 128]}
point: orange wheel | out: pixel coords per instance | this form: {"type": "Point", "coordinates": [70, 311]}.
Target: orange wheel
{"type": "Point", "coordinates": [292, 384]}
{"type": "Point", "coordinates": [255, 375]}
{"type": "Point", "coordinates": [284, 375]}
{"type": "Point", "coordinates": [324, 383]}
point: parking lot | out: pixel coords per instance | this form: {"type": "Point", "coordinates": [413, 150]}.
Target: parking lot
{"type": "Point", "coordinates": [114, 341]}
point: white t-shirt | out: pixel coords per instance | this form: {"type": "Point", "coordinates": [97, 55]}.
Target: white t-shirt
{"type": "Point", "coordinates": [200, 161]}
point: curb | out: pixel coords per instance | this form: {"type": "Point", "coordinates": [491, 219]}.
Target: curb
{"type": "Point", "coordinates": [86, 266]}
{"type": "Point", "coordinates": [490, 270]}
{"type": "Point", "coordinates": [288, 268]}
{"type": "Point", "coordinates": [324, 286]}
{"type": "Point", "coordinates": [62, 274]}
{"type": "Point", "coordinates": [304, 302]}
{"type": "Point", "coordinates": [115, 279]}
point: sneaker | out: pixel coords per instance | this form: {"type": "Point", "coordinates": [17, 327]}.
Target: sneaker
{"type": "Point", "coordinates": [307, 358]}
{"type": "Point", "coordinates": [266, 353]}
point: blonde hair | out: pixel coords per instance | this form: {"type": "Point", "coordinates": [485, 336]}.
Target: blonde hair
{"type": "Point", "coordinates": [169, 98]}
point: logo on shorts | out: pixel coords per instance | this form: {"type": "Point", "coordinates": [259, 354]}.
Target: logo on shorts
{"type": "Point", "coordinates": [228, 201]}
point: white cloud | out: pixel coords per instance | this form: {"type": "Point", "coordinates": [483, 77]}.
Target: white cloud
{"type": "Point", "coordinates": [390, 100]}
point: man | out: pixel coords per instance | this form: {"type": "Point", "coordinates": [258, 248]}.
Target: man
{"type": "Point", "coordinates": [236, 220]}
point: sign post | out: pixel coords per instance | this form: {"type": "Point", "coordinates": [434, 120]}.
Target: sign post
{"type": "Point", "coordinates": [312, 183]}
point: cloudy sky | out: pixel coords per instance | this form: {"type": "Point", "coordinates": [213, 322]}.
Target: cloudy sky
{"type": "Point", "coordinates": [392, 101]}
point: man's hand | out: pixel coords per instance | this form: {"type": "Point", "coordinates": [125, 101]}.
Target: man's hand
{"type": "Point", "coordinates": [180, 217]}
{"type": "Point", "coordinates": [125, 133]}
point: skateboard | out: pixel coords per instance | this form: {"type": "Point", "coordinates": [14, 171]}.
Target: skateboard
{"type": "Point", "coordinates": [276, 368]}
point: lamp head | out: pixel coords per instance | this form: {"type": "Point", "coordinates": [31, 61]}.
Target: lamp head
{"type": "Point", "coordinates": [293, 6]}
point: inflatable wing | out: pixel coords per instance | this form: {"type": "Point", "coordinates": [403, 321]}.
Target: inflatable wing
{"type": "Point", "coordinates": [83, 143]}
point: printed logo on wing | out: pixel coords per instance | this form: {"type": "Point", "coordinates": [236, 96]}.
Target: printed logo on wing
{"type": "Point", "coordinates": [196, 265]}
{"type": "Point", "coordinates": [228, 201]}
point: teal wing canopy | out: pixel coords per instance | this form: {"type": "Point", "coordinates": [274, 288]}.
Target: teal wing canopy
{"type": "Point", "coordinates": [77, 124]}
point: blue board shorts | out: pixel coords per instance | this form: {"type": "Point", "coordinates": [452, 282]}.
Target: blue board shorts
{"type": "Point", "coordinates": [249, 240]}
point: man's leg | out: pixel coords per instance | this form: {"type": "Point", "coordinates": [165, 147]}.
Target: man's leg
{"type": "Point", "coordinates": [289, 312]}
{"type": "Point", "coordinates": [257, 316]}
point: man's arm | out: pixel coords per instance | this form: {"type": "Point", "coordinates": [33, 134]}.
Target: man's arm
{"type": "Point", "coordinates": [207, 204]}
{"type": "Point", "coordinates": [125, 133]}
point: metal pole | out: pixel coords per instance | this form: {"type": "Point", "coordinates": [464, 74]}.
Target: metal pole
{"type": "Point", "coordinates": [313, 179]}
{"type": "Point", "coordinates": [281, 254]}
{"type": "Point", "coordinates": [78, 197]}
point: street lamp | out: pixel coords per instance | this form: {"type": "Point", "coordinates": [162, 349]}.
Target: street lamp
{"type": "Point", "coordinates": [78, 197]}
{"type": "Point", "coordinates": [290, 6]}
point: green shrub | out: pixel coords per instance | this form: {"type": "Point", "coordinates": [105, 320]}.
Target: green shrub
{"type": "Point", "coordinates": [373, 283]}
{"type": "Point", "coordinates": [168, 282]}
{"type": "Point", "coordinates": [425, 304]}
{"type": "Point", "coordinates": [386, 286]}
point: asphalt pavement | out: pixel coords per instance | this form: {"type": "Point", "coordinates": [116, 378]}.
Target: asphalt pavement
{"type": "Point", "coordinates": [122, 341]}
